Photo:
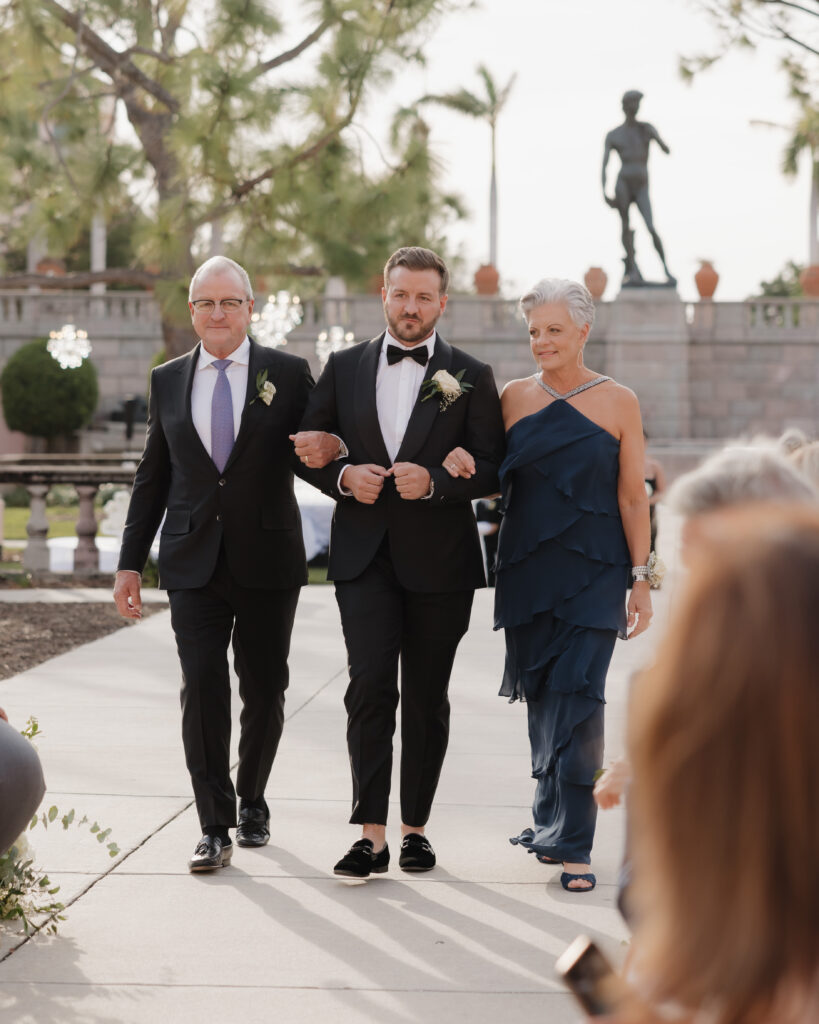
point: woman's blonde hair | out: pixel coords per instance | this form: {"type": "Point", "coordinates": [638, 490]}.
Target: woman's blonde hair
{"type": "Point", "coordinates": [725, 750]}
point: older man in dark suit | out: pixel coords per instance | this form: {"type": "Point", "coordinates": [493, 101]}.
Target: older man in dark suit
{"type": "Point", "coordinates": [219, 466]}
{"type": "Point", "coordinates": [404, 550]}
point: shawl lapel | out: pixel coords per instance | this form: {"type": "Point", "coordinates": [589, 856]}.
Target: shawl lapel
{"type": "Point", "coordinates": [366, 411]}
{"type": "Point", "coordinates": [424, 412]}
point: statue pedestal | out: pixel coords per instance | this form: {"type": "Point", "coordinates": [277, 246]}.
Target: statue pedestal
{"type": "Point", "coordinates": [647, 351]}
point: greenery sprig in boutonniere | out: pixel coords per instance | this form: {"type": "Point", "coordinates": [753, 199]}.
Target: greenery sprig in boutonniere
{"type": "Point", "coordinates": [447, 387]}
{"type": "Point", "coordinates": [265, 389]}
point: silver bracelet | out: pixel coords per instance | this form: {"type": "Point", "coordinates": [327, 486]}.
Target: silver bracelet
{"type": "Point", "coordinates": [640, 573]}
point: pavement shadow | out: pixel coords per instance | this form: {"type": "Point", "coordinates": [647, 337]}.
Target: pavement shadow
{"type": "Point", "coordinates": [440, 948]}
{"type": "Point", "coordinates": [27, 1002]}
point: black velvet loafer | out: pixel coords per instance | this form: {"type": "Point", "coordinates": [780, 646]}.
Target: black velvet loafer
{"type": "Point", "coordinates": [253, 828]}
{"type": "Point", "coordinates": [210, 853]}
{"type": "Point", "coordinates": [360, 861]}
{"type": "Point", "coordinates": [416, 853]}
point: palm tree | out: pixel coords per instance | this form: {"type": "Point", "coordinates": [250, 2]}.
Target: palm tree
{"type": "Point", "coordinates": [806, 138]}
{"type": "Point", "coordinates": [488, 108]}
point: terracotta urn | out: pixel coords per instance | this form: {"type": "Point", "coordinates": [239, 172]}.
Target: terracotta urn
{"type": "Point", "coordinates": [51, 266]}
{"type": "Point", "coordinates": [486, 280]}
{"type": "Point", "coordinates": [596, 280]}
{"type": "Point", "coordinates": [375, 282]}
{"type": "Point", "coordinates": [809, 279]}
{"type": "Point", "coordinates": [706, 280]}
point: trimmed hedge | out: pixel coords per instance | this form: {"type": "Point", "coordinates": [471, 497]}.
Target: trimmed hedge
{"type": "Point", "coordinates": [42, 399]}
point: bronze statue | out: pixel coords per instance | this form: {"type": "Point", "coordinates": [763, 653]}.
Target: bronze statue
{"type": "Point", "coordinates": [631, 141]}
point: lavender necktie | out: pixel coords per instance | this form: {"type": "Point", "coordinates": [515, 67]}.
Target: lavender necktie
{"type": "Point", "coordinates": [221, 416]}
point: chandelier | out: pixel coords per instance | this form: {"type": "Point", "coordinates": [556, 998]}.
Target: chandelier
{"type": "Point", "coordinates": [332, 340]}
{"type": "Point", "coordinates": [69, 346]}
{"type": "Point", "coordinates": [281, 313]}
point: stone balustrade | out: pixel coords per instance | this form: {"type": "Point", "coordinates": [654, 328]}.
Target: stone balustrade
{"type": "Point", "coordinates": [39, 473]}
{"type": "Point", "coordinates": [704, 370]}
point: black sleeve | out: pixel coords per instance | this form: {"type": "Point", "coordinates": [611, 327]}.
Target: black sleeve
{"type": "Point", "coordinates": [149, 496]}
{"type": "Point", "coordinates": [484, 439]}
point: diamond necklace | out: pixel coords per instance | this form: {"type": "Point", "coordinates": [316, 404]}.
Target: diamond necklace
{"type": "Point", "coordinates": [538, 378]}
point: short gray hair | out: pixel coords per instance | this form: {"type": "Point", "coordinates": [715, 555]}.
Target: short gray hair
{"type": "Point", "coordinates": [575, 297]}
{"type": "Point", "coordinates": [216, 264]}
{"type": "Point", "coordinates": [736, 475]}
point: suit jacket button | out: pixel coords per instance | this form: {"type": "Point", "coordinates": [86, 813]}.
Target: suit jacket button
{"type": "Point", "coordinates": [222, 482]}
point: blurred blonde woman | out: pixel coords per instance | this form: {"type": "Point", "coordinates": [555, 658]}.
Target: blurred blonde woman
{"type": "Point", "coordinates": [724, 797]}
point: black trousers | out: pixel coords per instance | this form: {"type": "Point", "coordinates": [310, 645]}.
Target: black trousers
{"type": "Point", "coordinates": [383, 624]}
{"type": "Point", "coordinates": [260, 622]}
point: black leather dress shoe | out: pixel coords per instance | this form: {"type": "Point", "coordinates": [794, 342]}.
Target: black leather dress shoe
{"type": "Point", "coordinates": [253, 828]}
{"type": "Point", "coordinates": [360, 861]}
{"type": "Point", "coordinates": [210, 853]}
{"type": "Point", "coordinates": [416, 853]}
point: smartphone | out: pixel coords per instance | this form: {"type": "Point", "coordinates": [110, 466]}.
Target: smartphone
{"type": "Point", "coordinates": [590, 977]}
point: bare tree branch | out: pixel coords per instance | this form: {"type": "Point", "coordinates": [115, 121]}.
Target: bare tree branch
{"type": "Point", "coordinates": [145, 52]}
{"type": "Point", "coordinates": [288, 55]}
{"type": "Point", "coordinates": [107, 59]}
{"type": "Point", "coordinates": [793, 6]}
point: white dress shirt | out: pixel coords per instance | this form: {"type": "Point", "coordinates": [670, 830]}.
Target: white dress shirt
{"type": "Point", "coordinates": [396, 390]}
{"type": "Point", "coordinates": [204, 381]}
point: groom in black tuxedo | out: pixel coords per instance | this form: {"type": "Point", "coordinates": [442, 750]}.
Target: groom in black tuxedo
{"type": "Point", "coordinates": [404, 551]}
{"type": "Point", "coordinates": [219, 466]}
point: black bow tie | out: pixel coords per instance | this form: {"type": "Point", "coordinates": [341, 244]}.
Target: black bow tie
{"type": "Point", "coordinates": [396, 354]}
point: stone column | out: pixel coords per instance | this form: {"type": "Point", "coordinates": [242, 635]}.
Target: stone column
{"type": "Point", "coordinates": [35, 557]}
{"type": "Point", "coordinates": [86, 556]}
{"type": "Point", "coordinates": [647, 350]}
{"type": "Point", "coordinates": [99, 245]}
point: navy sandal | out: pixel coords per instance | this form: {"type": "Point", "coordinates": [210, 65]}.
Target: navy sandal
{"type": "Point", "coordinates": [546, 860]}
{"type": "Point", "coordinates": [565, 878]}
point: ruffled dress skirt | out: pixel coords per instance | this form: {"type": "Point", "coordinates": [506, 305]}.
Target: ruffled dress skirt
{"type": "Point", "coordinates": [562, 572]}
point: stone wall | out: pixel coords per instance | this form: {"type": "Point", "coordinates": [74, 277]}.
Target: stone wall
{"type": "Point", "coordinates": [703, 372]}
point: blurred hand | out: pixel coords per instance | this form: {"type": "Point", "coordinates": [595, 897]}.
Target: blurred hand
{"type": "Point", "coordinates": [3, 715]}
{"type": "Point", "coordinates": [315, 448]}
{"type": "Point", "coordinates": [127, 595]}
{"type": "Point", "coordinates": [411, 481]}
{"type": "Point", "coordinates": [609, 788]}
{"type": "Point", "coordinates": [459, 463]}
{"type": "Point", "coordinates": [365, 481]}
{"type": "Point", "coordinates": [639, 609]}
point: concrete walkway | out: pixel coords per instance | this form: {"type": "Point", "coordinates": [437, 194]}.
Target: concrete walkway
{"type": "Point", "coordinates": [276, 936]}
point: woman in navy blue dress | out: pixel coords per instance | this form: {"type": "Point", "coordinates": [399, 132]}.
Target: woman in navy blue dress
{"type": "Point", "coordinates": [576, 528]}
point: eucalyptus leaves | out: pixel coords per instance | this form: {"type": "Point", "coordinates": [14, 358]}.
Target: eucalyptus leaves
{"type": "Point", "coordinates": [26, 892]}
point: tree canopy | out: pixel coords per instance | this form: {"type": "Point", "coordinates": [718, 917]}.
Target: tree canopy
{"type": "Point", "coordinates": [214, 126]}
{"type": "Point", "coordinates": [746, 23]}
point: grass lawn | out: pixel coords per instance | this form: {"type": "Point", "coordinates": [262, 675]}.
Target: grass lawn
{"type": "Point", "coordinates": [61, 522]}
{"type": "Point", "coordinates": [317, 574]}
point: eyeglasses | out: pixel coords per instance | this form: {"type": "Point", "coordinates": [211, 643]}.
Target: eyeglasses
{"type": "Point", "coordinates": [226, 305]}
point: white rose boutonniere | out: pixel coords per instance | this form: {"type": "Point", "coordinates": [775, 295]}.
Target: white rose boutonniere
{"type": "Point", "coordinates": [447, 387]}
{"type": "Point", "coordinates": [265, 389]}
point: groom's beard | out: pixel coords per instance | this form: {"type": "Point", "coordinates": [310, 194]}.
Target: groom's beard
{"type": "Point", "coordinates": [410, 329]}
